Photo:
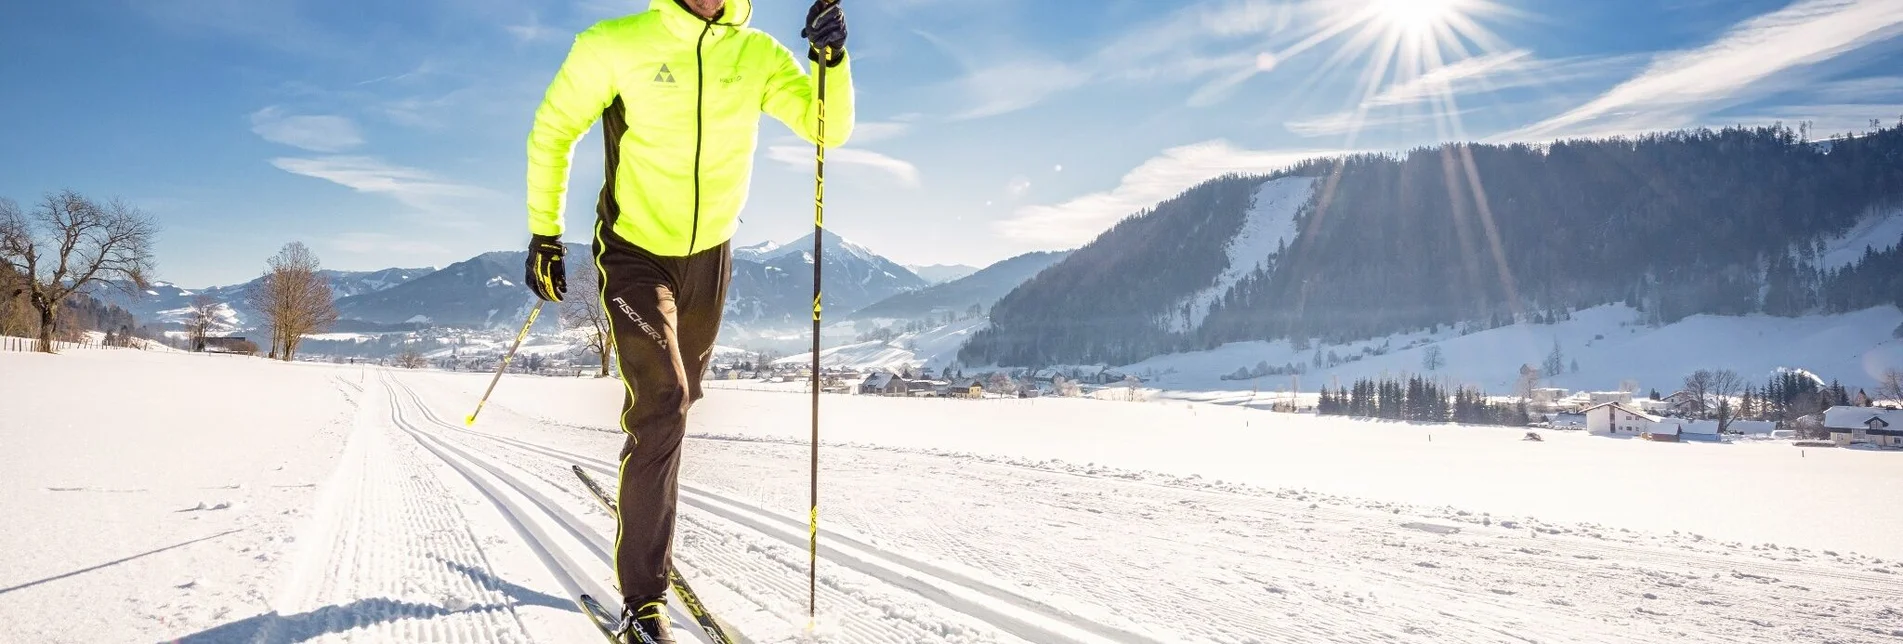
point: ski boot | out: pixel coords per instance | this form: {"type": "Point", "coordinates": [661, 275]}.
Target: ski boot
{"type": "Point", "coordinates": [645, 623]}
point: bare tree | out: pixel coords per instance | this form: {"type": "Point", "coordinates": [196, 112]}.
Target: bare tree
{"type": "Point", "coordinates": [1698, 386]}
{"type": "Point", "coordinates": [1432, 360]}
{"type": "Point", "coordinates": [70, 244]}
{"type": "Point", "coordinates": [294, 299]}
{"type": "Point", "coordinates": [581, 309]}
{"type": "Point", "coordinates": [410, 359]}
{"type": "Point", "coordinates": [1890, 385]}
{"type": "Point", "coordinates": [204, 313]}
{"type": "Point", "coordinates": [1725, 384]}
{"type": "Point", "coordinates": [1713, 390]}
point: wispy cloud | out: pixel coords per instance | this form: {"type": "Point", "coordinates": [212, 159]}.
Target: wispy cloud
{"type": "Point", "coordinates": [1080, 219]}
{"type": "Point", "coordinates": [875, 131]}
{"type": "Point", "coordinates": [412, 187]}
{"type": "Point", "coordinates": [1346, 122]}
{"type": "Point", "coordinates": [1681, 88]}
{"type": "Point", "coordinates": [1213, 46]}
{"type": "Point", "coordinates": [802, 157]}
{"type": "Point", "coordinates": [534, 31]}
{"type": "Point", "coordinates": [314, 133]}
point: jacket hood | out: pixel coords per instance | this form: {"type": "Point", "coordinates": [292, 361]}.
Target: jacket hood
{"type": "Point", "coordinates": [736, 15]}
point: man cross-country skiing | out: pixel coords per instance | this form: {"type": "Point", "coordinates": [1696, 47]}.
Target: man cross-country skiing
{"type": "Point", "coordinates": [679, 90]}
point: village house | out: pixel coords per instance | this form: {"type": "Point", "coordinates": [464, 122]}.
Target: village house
{"type": "Point", "coordinates": [1864, 426]}
{"type": "Point", "coordinates": [1603, 397]}
{"type": "Point", "coordinates": [1685, 402]}
{"type": "Point", "coordinates": [966, 388]}
{"type": "Point", "coordinates": [1618, 419]}
{"type": "Point", "coordinates": [884, 384]}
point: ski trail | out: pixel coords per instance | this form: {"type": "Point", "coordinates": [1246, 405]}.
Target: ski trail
{"type": "Point", "coordinates": [1009, 611]}
{"type": "Point", "coordinates": [574, 578]}
{"type": "Point", "coordinates": [386, 560]}
{"type": "Point", "coordinates": [781, 570]}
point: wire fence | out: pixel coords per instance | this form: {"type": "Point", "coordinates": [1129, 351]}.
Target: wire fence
{"type": "Point", "coordinates": [16, 343]}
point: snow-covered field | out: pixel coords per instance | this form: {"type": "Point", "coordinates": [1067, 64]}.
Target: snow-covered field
{"type": "Point", "coordinates": [177, 497]}
{"type": "Point", "coordinates": [1608, 343]}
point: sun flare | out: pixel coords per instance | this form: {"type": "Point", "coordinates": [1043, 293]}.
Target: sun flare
{"type": "Point", "coordinates": [1416, 16]}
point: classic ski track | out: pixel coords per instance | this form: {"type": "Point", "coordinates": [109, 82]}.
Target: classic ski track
{"type": "Point", "coordinates": [897, 627]}
{"type": "Point", "coordinates": [1488, 590]}
{"type": "Point", "coordinates": [387, 568]}
{"type": "Point", "coordinates": [574, 578]}
{"type": "Point", "coordinates": [896, 570]}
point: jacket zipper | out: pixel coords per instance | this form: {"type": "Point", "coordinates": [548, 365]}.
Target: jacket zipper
{"type": "Point", "coordinates": [700, 104]}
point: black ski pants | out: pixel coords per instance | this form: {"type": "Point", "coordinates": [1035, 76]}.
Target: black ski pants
{"type": "Point", "coordinates": [664, 314]}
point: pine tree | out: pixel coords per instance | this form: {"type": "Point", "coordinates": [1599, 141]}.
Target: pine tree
{"type": "Point", "coordinates": [1555, 362]}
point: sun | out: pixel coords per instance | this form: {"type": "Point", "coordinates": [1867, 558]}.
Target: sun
{"type": "Point", "coordinates": [1416, 17]}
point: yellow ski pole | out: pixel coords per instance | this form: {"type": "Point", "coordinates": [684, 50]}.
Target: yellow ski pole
{"type": "Point", "coordinates": [471, 420]}
{"type": "Point", "coordinates": [819, 235]}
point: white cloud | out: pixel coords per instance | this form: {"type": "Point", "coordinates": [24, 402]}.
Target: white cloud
{"type": "Point", "coordinates": [412, 187]}
{"type": "Point", "coordinates": [1346, 122]}
{"type": "Point", "coordinates": [314, 133]}
{"type": "Point", "coordinates": [1016, 85]}
{"type": "Point", "coordinates": [875, 131]}
{"type": "Point", "coordinates": [1192, 44]}
{"type": "Point", "coordinates": [1680, 88]}
{"type": "Point", "coordinates": [1080, 219]}
{"type": "Point", "coordinates": [802, 157]}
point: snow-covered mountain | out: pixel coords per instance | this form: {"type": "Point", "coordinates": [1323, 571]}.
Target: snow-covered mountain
{"type": "Point", "coordinates": [981, 288]}
{"type": "Point", "coordinates": [773, 289]}
{"type": "Point", "coordinates": [942, 273]}
{"type": "Point", "coordinates": [757, 252]}
{"type": "Point", "coordinates": [167, 303]}
{"type": "Point", "coordinates": [481, 292]}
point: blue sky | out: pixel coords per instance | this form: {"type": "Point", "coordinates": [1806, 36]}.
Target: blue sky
{"type": "Point", "coordinates": [392, 133]}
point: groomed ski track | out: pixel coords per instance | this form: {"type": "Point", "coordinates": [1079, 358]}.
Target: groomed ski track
{"type": "Point", "coordinates": [769, 547]}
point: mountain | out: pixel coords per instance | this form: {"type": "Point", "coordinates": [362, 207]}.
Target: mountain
{"type": "Point", "coordinates": [773, 290]}
{"type": "Point", "coordinates": [942, 273]}
{"type": "Point", "coordinates": [481, 292]}
{"type": "Point", "coordinates": [166, 303]}
{"type": "Point", "coordinates": [1475, 237]}
{"type": "Point", "coordinates": [981, 289]}
{"type": "Point", "coordinates": [759, 252]}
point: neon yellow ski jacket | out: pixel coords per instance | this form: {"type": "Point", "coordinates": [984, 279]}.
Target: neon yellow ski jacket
{"type": "Point", "coordinates": [692, 92]}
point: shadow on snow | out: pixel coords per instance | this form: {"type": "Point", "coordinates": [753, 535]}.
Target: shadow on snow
{"type": "Point", "coordinates": [275, 628]}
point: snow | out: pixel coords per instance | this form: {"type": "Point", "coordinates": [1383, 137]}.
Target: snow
{"type": "Point", "coordinates": [343, 337]}
{"type": "Point", "coordinates": [932, 349]}
{"type": "Point", "coordinates": [1609, 344]}
{"type": "Point", "coordinates": [499, 281]}
{"type": "Point", "coordinates": [1878, 231]}
{"type": "Point", "coordinates": [336, 504]}
{"type": "Point", "coordinates": [1269, 224]}
{"type": "Point", "coordinates": [1855, 417]}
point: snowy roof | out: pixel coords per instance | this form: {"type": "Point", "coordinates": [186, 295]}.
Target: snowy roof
{"type": "Point", "coordinates": [1622, 407]}
{"type": "Point", "coordinates": [879, 380]}
{"type": "Point", "coordinates": [1667, 426]}
{"type": "Point", "coordinates": [1845, 417]}
{"type": "Point", "coordinates": [1701, 427]}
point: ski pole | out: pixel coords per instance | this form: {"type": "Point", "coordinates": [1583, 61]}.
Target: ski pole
{"type": "Point", "coordinates": [471, 420]}
{"type": "Point", "coordinates": [819, 234]}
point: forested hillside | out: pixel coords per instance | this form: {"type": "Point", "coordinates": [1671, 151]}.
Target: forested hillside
{"type": "Point", "coordinates": [1722, 222]}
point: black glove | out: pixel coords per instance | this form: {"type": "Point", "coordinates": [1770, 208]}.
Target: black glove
{"type": "Point", "coordinates": [825, 31]}
{"type": "Point", "coordinates": [546, 274]}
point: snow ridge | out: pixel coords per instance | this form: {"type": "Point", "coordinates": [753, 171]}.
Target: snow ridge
{"type": "Point", "coordinates": [1878, 231]}
{"type": "Point", "coordinates": [1269, 225]}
